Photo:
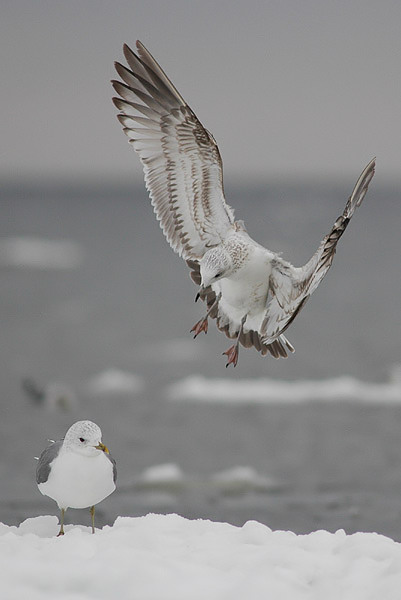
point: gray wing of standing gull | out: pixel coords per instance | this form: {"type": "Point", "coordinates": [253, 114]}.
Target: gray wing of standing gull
{"type": "Point", "coordinates": [113, 462]}
{"type": "Point", "coordinates": [45, 460]}
{"type": "Point", "coordinates": [50, 453]}
{"type": "Point", "coordinates": [180, 158]}
{"type": "Point", "coordinates": [290, 287]}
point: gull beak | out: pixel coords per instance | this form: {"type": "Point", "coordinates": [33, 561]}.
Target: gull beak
{"type": "Point", "coordinates": [102, 447]}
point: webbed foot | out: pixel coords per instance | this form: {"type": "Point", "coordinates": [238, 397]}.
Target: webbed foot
{"type": "Point", "coordinates": [200, 326]}
{"type": "Point", "coordinates": [232, 353]}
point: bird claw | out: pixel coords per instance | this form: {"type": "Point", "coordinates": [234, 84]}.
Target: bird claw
{"type": "Point", "coordinates": [200, 326]}
{"type": "Point", "coordinates": [232, 354]}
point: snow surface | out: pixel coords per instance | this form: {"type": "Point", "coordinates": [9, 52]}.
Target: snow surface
{"type": "Point", "coordinates": [264, 390]}
{"type": "Point", "coordinates": [167, 557]}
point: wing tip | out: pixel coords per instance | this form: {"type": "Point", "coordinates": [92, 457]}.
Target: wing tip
{"type": "Point", "coordinates": [371, 166]}
{"type": "Point", "coordinates": [126, 49]}
{"type": "Point", "coordinates": [370, 169]}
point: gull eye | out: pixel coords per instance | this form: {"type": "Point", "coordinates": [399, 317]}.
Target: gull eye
{"type": "Point", "coordinates": [82, 439]}
{"type": "Point", "coordinates": [218, 275]}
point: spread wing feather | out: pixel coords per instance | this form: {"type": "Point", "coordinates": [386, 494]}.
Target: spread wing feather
{"type": "Point", "coordinates": [180, 158]}
{"type": "Point", "coordinates": [290, 287]}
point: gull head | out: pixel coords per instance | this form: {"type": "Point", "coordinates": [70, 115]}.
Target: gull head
{"type": "Point", "coordinates": [214, 265]}
{"type": "Point", "coordinates": [84, 437]}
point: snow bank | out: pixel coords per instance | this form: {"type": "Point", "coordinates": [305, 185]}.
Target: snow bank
{"type": "Point", "coordinates": [37, 253]}
{"type": "Point", "coordinates": [171, 558]}
{"type": "Point", "coordinates": [264, 390]}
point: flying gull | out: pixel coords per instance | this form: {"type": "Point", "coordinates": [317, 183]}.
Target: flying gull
{"type": "Point", "coordinates": [78, 471]}
{"type": "Point", "coordinates": [251, 292]}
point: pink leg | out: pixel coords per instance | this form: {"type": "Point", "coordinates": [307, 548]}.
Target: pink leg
{"type": "Point", "coordinates": [233, 352]}
{"type": "Point", "coordinates": [202, 325]}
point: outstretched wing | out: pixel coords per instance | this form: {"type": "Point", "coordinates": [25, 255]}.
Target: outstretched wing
{"type": "Point", "coordinates": [180, 158]}
{"type": "Point", "coordinates": [290, 287]}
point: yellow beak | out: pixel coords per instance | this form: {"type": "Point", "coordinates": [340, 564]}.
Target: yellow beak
{"type": "Point", "coordinates": [102, 447]}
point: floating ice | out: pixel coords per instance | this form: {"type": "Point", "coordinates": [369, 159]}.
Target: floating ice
{"type": "Point", "coordinates": [242, 479]}
{"type": "Point", "coordinates": [167, 473]}
{"type": "Point", "coordinates": [113, 381]}
{"type": "Point", "coordinates": [243, 391]}
{"type": "Point", "coordinates": [162, 478]}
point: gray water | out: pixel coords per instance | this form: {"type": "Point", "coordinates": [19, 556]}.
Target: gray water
{"type": "Point", "coordinates": [129, 305]}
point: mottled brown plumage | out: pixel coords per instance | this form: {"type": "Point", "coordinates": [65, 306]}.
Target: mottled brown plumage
{"type": "Point", "coordinates": [251, 292]}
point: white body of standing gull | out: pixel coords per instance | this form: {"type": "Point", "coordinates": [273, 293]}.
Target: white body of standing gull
{"type": "Point", "coordinates": [78, 471]}
{"type": "Point", "coordinates": [253, 293]}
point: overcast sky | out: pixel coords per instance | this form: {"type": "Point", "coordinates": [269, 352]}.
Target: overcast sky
{"type": "Point", "coordinates": [288, 87]}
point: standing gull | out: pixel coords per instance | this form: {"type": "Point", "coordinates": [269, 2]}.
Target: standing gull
{"type": "Point", "coordinates": [253, 293]}
{"type": "Point", "coordinates": [78, 471]}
